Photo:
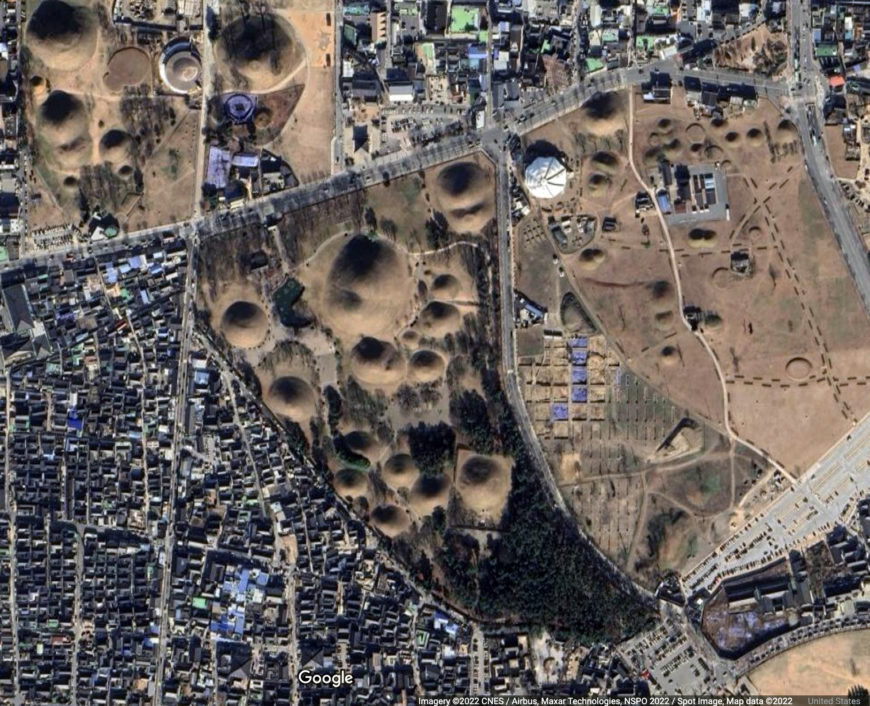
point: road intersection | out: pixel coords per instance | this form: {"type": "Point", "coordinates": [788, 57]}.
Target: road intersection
{"type": "Point", "coordinates": [832, 480]}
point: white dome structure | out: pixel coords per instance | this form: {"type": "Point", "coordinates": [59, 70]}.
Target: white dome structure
{"type": "Point", "coordinates": [546, 178]}
{"type": "Point", "coordinates": [180, 66]}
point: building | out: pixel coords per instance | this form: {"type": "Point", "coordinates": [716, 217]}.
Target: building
{"type": "Point", "coordinates": [17, 316]}
{"type": "Point", "coordinates": [546, 178]}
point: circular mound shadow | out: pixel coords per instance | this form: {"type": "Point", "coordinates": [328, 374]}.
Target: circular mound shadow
{"type": "Point", "coordinates": [244, 324]}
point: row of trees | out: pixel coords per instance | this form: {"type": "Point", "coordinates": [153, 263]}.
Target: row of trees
{"type": "Point", "coordinates": [539, 569]}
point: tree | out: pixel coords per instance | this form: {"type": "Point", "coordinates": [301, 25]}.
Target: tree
{"type": "Point", "coordinates": [333, 404]}
{"type": "Point", "coordinates": [389, 228]}
{"type": "Point", "coordinates": [370, 218]}
{"type": "Point", "coordinates": [423, 570]}
{"type": "Point", "coordinates": [458, 558]}
{"type": "Point", "coordinates": [470, 415]}
{"type": "Point", "coordinates": [439, 520]}
{"type": "Point", "coordinates": [407, 398]}
{"type": "Point", "coordinates": [860, 694]}
{"type": "Point", "coordinates": [431, 446]}
{"type": "Point", "coordinates": [437, 231]}
{"type": "Point", "coordinates": [347, 455]}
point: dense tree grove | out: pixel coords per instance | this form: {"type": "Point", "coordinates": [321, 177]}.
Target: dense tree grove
{"type": "Point", "coordinates": [361, 406]}
{"type": "Point", "coordinates": [437, 231]}
{"type": "Point", "coordinates": [347, 455]}
{"type": "Point", "coordinates": [334, 408]}
{"type": "Point", "coordinates": [469, 413]}
{"type": "Point", "coordinates": [458, 559]}
{"type": "Point", "coordinates": [432, 446]}
{"type": "Point", "coordinates": [296, 437]}
{"type": "Point", "coordinates": [860, 695]}
{"type": "Point", "coordinates": [540, 569]}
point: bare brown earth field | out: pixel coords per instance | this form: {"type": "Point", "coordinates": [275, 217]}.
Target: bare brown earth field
{"type": "Point", "coordinates": [170, 176]}
{"type": "Point", "coordinates": [306, 139]}
{"type": "Point", "coordinates": [82, 122]}
{"type": "Point", "coordinates": [828, 665]}
{"type": "Point", "coordinates": [784, 335]}
{"type": "Point", "coordinates": [789, 337]}
{"type": "Point", "coordinates": [650, 509]}
{"type": "Point", "coordinates": [534, 270]}
{"type": "Point", "coordinates": [127, 67]}
{"type": "Point", "coordinates": [843, 168]}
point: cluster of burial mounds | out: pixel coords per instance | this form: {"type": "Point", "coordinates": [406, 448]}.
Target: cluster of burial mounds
{"type": "Point", "coordinates": [463, 194]}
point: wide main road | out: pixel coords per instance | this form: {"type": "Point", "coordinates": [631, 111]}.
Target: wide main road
{"type": "Point", "coordinates": [811, 93]}
{"type": "Point", "coordinates": [521, 122]}
{"type": "Point", "coordinates": [834, 204]}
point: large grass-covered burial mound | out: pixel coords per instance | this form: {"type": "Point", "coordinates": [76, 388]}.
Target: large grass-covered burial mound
{"type": "Point", "coordinates": [259, 51]}
{"type": "Point", "coordinates": [61, 35]}
{"type": "Point", "coordinates": [604, 114]}
{"type": "Point", "coordinates": [62, 123]}
{"type": "Point", "coordinates": [463, 193]}
{"type": "Point", "coordinates": [377, 363]}
{"type": "Point", "coordinates": [244, 324]}
{"type": "Point", "coordinates": [365, 289]}
{"type": "Point", "coordinates": [291, 397]}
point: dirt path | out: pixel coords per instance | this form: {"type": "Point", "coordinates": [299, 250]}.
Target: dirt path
{"type": "Point", "coordinates": [732, 435]}
{"type": "Point", "coordinates": [450, 246]}
{"type": "Point", "coordinates": [803, 298]}
{"type": "Point", "coordinates": [640, 527]}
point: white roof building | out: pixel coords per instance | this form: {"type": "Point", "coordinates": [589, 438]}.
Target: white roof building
{"type": "Point", "coordinates": [546, 178]}
{"type": "Point", "coordinates": [401, 93]}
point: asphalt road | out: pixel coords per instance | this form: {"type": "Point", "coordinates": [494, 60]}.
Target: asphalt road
{"type": "Point", "coordinates": [807, 117]}
{"type": "Point", "coordinates": [506, 315]}
{"type": "Point", "coordinates": [492, 140]}
{"type": "Point", "coordinates": [836, 210]}
{"type": "Point", "coordinates": [829, 488]}
{"type": "Point", "coordinates": [833, 202]}
{"type": "Point", "coordinates": [499, 156]}
{"type": "Point", "coordinates": [400, 164]}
